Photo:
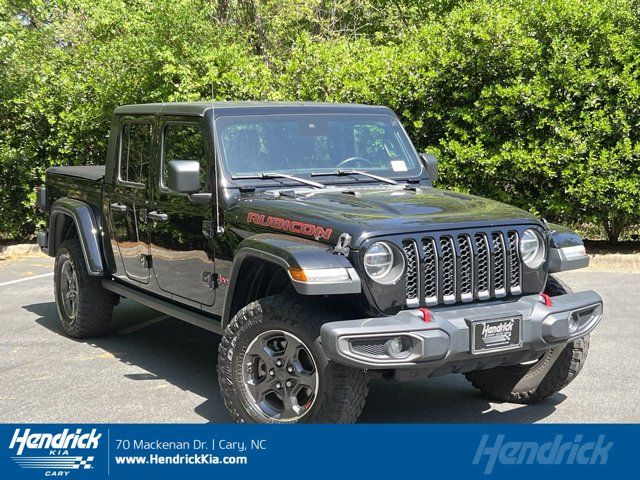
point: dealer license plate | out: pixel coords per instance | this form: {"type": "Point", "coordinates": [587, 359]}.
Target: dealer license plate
{"type": "Point", "coordinates": [494, 335]}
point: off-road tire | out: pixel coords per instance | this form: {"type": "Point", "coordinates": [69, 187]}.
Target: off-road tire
{"type": "Point", "coordinates": [342, 390]}
{"type": "Point", "coordinates": [532, 383]}
{"type": "Point", "coordinates": [94, 303]}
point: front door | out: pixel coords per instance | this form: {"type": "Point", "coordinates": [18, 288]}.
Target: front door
{"type": "Point", "coordinates": [127, 201]}
{"type": "Point", "coordinates": [183, 258]}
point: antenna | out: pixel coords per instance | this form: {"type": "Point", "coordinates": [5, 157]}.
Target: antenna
{"type": "Point", "coordinates": [219, 229]}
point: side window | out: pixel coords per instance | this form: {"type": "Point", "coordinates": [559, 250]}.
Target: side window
{"type": "Point", "coordinates": [184, 142]}
{"type": "Point", "coordinates": [135, 152]}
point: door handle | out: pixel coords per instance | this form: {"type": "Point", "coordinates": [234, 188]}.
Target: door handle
{"type": "Point", "coordinates": [118, 207]}
{"type": "Point", "coordinates": [157, 216]}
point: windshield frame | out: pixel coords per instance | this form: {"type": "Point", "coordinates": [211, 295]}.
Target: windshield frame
{"type": "Point", "coordinates": [351, 180]}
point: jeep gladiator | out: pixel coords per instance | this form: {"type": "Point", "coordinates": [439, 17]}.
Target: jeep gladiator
{"type": "Point", "coordinates": [311, 238]}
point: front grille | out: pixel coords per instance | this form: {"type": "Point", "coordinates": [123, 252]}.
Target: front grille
{"type": "Point", "coordinates": [462, 267]}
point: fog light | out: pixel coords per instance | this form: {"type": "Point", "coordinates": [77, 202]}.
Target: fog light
{"type": "Point", "coordinates": [397, 347]}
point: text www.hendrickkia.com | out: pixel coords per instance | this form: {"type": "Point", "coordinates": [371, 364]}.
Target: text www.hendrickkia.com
{"type": "Point", "coordinates": [195, 459]}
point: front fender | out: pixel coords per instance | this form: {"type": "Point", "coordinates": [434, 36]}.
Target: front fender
{"type": "Point", "coordinates": [300, 254]}
{"type": "Point", "coordinates": [87, 227]}
{"type": "Point", "coordinates": [566, 250]}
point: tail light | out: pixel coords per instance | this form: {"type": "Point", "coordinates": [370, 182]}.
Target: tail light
{"type": "Point", "coordinates": [41, 197]}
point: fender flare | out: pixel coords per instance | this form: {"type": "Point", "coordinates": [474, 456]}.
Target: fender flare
{"type": "Point", "coordinates": [566, 250]}
{"type": "Point", "coordinates": [87, 227]}
{"type": "Point", "coordinates": [290, 252]}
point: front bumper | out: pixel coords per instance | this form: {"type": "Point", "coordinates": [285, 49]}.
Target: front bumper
{"type": "Point", "coordinates": [443, 345]}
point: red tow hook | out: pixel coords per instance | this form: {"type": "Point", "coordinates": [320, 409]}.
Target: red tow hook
{"type": "Point", "coordinates": [426, 314]}
{"type": "Point", "coordinates": [546, 299]}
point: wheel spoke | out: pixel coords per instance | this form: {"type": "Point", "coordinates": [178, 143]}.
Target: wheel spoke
{"type": "Point", "coordinates": [308, 380]}
{"type": "Point", "coordinates": [259, 388]}
{"type": "Point", "coordinates": [291, 407]}
{"type": "Point", "coordinates": [68, 274]}
{"type": "Point", "coordinates": [291, 352]}
{"type": "Point", "coordinates": [260, 350]}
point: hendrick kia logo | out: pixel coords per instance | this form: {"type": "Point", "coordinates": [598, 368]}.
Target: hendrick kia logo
{"type": "Point", "coordinates": [53, 451]}
{"type": "Point", "coordinates": [558, 451]}
{"type": "Point", "coordinates": [497, 333]}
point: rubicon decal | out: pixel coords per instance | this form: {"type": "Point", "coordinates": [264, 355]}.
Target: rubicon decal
{"type": "Point", "coordinates": [288, 225]}
{"type": "Point", "coordinates": [56, 453]}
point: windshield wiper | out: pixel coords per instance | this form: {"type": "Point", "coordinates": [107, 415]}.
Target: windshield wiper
{"type": "Point", "coordinates": [269, 176]}
{"type": "Point", "coordinates": [342, 173]}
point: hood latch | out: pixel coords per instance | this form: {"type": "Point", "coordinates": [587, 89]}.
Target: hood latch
{"type": "Point", "coordinates": [343, 245]}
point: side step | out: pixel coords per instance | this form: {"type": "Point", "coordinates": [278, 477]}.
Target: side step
{"type": "Point", "coordinates": [210, 323]}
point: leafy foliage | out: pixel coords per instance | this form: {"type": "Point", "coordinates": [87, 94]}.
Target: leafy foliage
{"type": "Point", "coordinates": [532, 102]}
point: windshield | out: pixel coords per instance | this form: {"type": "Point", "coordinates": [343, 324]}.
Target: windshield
{"type": "Point", "coordinates": [302, 144]}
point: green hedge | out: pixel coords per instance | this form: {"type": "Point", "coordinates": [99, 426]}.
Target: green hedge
{"type": "Point", "coordinates": [532, 102]}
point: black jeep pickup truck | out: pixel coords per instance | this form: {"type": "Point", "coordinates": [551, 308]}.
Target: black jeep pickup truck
{"type": "Point", "coordinates": [311, 238]}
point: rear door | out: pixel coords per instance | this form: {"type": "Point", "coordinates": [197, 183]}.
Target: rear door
{"type": "Point", "coordinates": [183, 258]}
{"type": "Point", "coordinates": [128, 197]}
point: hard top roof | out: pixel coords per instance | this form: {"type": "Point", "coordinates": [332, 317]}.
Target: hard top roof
{"type": "Point", "coordinates": [245, 107]}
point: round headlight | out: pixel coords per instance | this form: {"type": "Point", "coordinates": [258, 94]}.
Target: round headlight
{"type": "Point", "coordinates": [532, 248]}
{"type": "Point", "coordinates": [383, 263]}
{"type": "Point", "coordinates": [378, 261]}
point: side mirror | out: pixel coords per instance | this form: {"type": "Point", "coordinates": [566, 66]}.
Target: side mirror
{"type": "Point", "coordinates": [430, 162]}
{"type": "Point", "coordinates": [184, 176]}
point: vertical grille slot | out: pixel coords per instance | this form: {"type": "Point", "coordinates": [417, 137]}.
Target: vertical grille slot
{"type": "Point", "coordinates": [483, 260]}
{"type": "Point", "coordinates": [465, 268]}
{"type": "Point", "coordinates": [411, 254]}
{"type": "Point", "coordinates": [499, 263]}
{"type": "Point", "coordinates": [448, 270]}
{"type": "Point", "coordinates": [430, 259]}
{"type": "Point", "coordinates": [514, 264]}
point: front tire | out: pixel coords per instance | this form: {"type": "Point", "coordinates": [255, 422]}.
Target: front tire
{"type": "Point", "coordinates": [84, 306]}
{"type": "Point", "coordinates": [533, 382]}
{"type": "Point", "coordinates": [271, 367]}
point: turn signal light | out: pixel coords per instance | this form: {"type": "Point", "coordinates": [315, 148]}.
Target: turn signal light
{"type": "Point", "coordinates": [320, 275]}
{"type": "Point", "coordinates": [298, 274]}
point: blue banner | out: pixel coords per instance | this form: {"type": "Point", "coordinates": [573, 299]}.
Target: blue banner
{"type": "Point", "coordinates": [118, 451]}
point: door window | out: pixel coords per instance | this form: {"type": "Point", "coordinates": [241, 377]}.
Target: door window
{"type": "Point", "coordinates": [135, 152]}
{"type": "Point", "coordinates": [184, 142]}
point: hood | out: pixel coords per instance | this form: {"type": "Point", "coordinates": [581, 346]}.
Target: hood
{"type": "Point", "coordinates": [366, 212]}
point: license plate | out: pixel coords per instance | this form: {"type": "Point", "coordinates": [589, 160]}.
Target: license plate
{"type": "Point", "coordinates": [494, 335]}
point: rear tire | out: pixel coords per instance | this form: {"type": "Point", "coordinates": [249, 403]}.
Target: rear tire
{"type": "Point", "coordinates": [84, 306]}
{"type": "Point", "coordinates": [533, 382]}
{"type": "Point", "coordinates": [271, 367]}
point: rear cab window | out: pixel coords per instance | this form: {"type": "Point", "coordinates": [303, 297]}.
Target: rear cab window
{"type": "Point", "coordinates": [135, 152]}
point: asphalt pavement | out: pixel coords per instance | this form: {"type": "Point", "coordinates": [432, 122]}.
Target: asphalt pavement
{"type": "Point", "coordinates": [154, 368]}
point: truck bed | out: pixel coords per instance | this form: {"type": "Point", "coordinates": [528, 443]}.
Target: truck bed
{"type": "Point", "coordinates": [83, 183]}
